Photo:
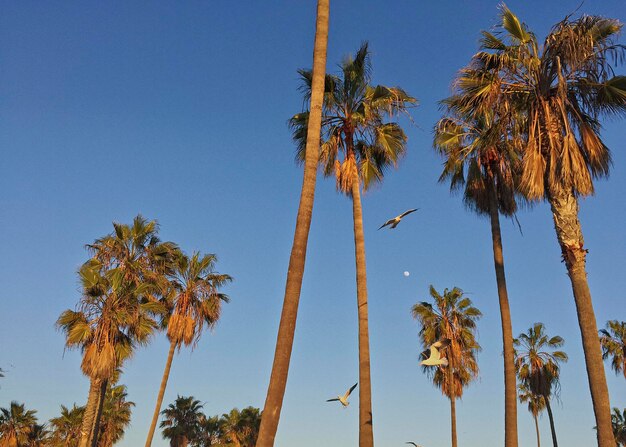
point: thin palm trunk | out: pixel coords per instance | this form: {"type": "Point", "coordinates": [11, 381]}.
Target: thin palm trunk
{"type": "Point", "coordinates": [537, 430]}
{"type": "Point", "coordinates": [510, 384]}
{"type": "Point", "coordinates": [564, 207]}
{"type": "Point", "coordinates": [287, 326]}
{"type": "Point", "coordinates": [366, 432]}
{"type": "Point", "coordinates": [89, 416]}
{"type": "Point", "coordinates": [552, 429]}
{"type": "Point", "coordinates": [95, 430]}
{"type": "Point", "coordinates": [159, 402]}
{"type": "Point", "coordinates": [453, 421]}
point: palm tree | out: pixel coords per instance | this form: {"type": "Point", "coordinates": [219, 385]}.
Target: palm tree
{"type": "Point", "coordinates": [295, 272]}
{"type": "Point", "coordinates": [452, 317]}
{"type": "Point", "coordinates": [16, 424]}
{"type": "Point", "coordinates": [111, 319]}
{"type": "Point", "coordinates": [66, 427]}
{"type": "Point", "coordinates": [618, 421]}
{"type": "Point", "coordinates": [194, 301]}
{"type": "Point", "coordinates": [613, 341]}
{"type": "Point", "coordinates": [560, 91]}
{"type": "Point", "coordinates": [536, 404]}
{"type": "Point", "coordinates": [182, 421]}
{"type": "Point", "coordinates": [537, 364]}
{"type": "Point", "coordinates": [116, 415]}
{"type": "Point", "coordinates": [472, 138]}
{"type": "Point", "coordinates": [38, 436]}
{"type": "Point", "coordinates": [210, 431]}
{"type": "Point", "coordinates": [354, 131]}
{"type": "Point", "coordinates": [241, 428]}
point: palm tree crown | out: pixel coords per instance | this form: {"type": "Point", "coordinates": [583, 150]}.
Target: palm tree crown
{"type": "Point", "coordinates": [16, 424]}
{"type": "Point", "coordinates": [182, 421]}
{"type": "Point", "coordinates": [613, 341]}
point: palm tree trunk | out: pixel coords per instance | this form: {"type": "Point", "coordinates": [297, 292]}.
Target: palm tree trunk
{"type": "Point", "coordinates": [366, 432]}
{"type": "Point", "coordinates": [159, 402]}
{"type": "Point", "coordinates": [564, 207]}
{"type": "Point", "coordinates": [287, 326]}
{"type": "Point", "coordinates": [510, 384]}
{"type": "Point", "coordinates": [453, 420]}
{"type": "Point", "coordinates": [552, 430]}
{"type": "Point", "coordinates": [93, 437]}
{"type": "Point", "coordinates": [537, 430]}
{"type": "Point", "coordinates": [89, 416]}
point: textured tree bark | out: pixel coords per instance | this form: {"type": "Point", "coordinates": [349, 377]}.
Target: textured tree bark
{"type": "Point", "coordinates": [287, 325]}
{"type": "Point", "coordinates": [552, 429]}
{"type": "Point", "coordinates": [537, 430]}
{"type": "Point", "coordinates": [91, 407]}
{"type": "Point", "coordinates": [95, 431]}
{"type": "Point", "coordinates": [564, 207]}
{"type": "Point", "coordinates": [510, 383]}
{"type": "Point", "coordinates": [159, 402]}
{"type": "Point", "coordinates": [366, 431]}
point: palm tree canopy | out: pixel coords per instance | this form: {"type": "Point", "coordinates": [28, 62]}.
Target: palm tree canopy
{"type": "Point", "coordinates": [618, 420]}
{"type": "Point", "coordinates": [537, 361]}
{"type": "Point", "coordinates": [116, 414]}
{"type": "Point", "coordinates": [536, 402]}
{"type": "Point", "coordinates": [182, 419]}
{"type": "Point", "coordinates": [16, 423]}
{"type": "Point", "coordinates": [358, 143]}
{"type": "Point", "coordinates": [613, 341]}
{"type": "Point", "coordinates": [559, 90]}
{"type": "Point", "coordinates": [66, 427]}
{"type": "Point", "coordinates": [451, 317]}
{"type": "Point", "coordinates": [194, 298]}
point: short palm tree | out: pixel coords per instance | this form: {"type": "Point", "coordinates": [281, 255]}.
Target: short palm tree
{"type": "Point", "coordinates": [194, 300]}
{"type": "Point", "coordinates": [559, 91]}
{"type": "Point", "coordinates": [241, 428]}
{"type": "Point", "coordinates": [451, 316]}
{"type": "Point", "coordinates": [537, 362]}
{"type": "Point", "coordinates": [295, 272]}
{"type": "Point", "coordinates": [66, 427]}
{"type": "Point", "coordinates": [536, 404]}
{"type": "Point", "coordinates": [358, 145]}
{"type": "Point", "coordinates": [182, 421]}
{"type": "Point", "coordinates": [618, 421]}
{"type": "Point", "coordinates": [613, 341]}
{"type": "Point", "coordinates": [38, 436]}
{"type": "Point", "coordinates": [116, 414]}
{"type": "Point", "coordinates": [210, 431]}
{"type": "Point", "coordinates": [480, 159]}
{"type": "Point", "coordinates": [16, 423]}
{"type": "Point", "coordinates": [111, 319]}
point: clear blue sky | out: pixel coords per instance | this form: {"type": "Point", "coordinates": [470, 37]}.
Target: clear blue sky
{"type": "Point", "coordinates": [178, 111]}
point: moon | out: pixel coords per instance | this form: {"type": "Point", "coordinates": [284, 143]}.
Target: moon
{"type": "Point", "coordinates": [406, 273]}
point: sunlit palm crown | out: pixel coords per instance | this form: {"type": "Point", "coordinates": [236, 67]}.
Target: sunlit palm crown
{"type": "Point", "coordinates": [537, 361]}
{"type": "Point", "coordinates": [613, 341]}
{"type": "Point", "coordinates": [116, 415]}
{"type": "Point", "coordinates": [66, 427]}
{"type": "Point", "coordinates": [182, 418]}
{"type": "Point", "coordinates": [194, 298]}
{"type": "Point", "coordinates": [112, 317]}
{"type": "Point", "coordinates": [16, 423]}
{"type": "Point", "coordinates": [553, 96]}
{"type": "Point", "coordinates": [358, 144]}
{"type": "Point", "coordinates": [453, 317]}
{"type": "Point", "coordinates": [536, 402]}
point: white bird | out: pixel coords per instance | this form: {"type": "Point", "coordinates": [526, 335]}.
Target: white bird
{"type": "Point", "coordinates": [396, 220]}
{"type": "Point", "coordinates": [435, 358]}
{"type": "Point", "coordinates": [344, 399]}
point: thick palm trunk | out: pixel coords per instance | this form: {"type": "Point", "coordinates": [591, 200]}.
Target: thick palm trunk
{"type": "Point", "coordinates": [287, 326]}
{"type": "Point", "coordinates": [510, 384]}
{"type": "Point", "coordinates": [551, 418]}
{"type": "Point", "coordinates": [453, 421]}
{"type": "Point", "coordinates": [366, 432]}
{"type": "Point", "coordinates": [95, 430]}
{"type": "Point", "coordinates": [91, 408]}
{"type": "Point", "coordinates": [537, 430]}
{"type": "Point", "coordinates": [564, 207]}
{"type": "Point", "coordinates": [159, 402]}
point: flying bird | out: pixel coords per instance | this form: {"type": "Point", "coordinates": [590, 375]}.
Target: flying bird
{"type": "Point", "coordinates": [396, 220]}
{"type": "Point", "coordinates": [435, 358]}
{"type": "Point", "coordinates": [412, 443]}
{"type": "Point", "coordinates": [344, 399]}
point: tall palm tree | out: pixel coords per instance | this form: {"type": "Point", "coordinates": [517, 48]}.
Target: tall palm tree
{"type": "Point", "coordinates": [111, 319]}
{"type": "Point", "coordinates": [116, 415]}
{"type": "Point", "coordinates": [358, 145]}
{"type": "Point", "coordinates": [560, 91]}
{"type": "Point", "coordinates": [16, 424]}
{"type": "Point", "coordinates": [613, 341]}
{"type": "Point", "coordinates": [537, 362]}
{"type": "Point", "coordinates": [194, 300]}
{"type": "Point", "coordinates": [451, 316]}
{"type": "Point", "coordinates": [295, 272]}
{"type": "Point", "coordinates": [536, 404]}
{"type": "Point", "coordinates": [182, 420]}
{"type": "Point", "coordinates": [480, 159]}
{"type": "Point", "coordinates": [66, 427]}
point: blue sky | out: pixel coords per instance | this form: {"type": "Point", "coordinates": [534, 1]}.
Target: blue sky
{"type": "Point", "coordinates": [178, 111]}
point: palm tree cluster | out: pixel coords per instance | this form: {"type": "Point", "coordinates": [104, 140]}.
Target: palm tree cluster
{"type": "Point", "coordinates": [184, 425]}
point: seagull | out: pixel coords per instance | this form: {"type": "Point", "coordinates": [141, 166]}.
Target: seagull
{"type": "Point", "coordinates": [344, 399]}
{"type": "Point", "coordinates": [435, 358]}
{"type": "Point", "coordinates": [396, 220]}
{"type": "Point", "coordinates": [412, 443]}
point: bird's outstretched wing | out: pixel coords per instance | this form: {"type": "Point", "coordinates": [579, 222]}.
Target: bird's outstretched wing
{"type": "Point", "coordinates": [352, 388]}
{"type": "Point", "coordinates": [407, 212]}
{"type": "Point", "coordinates": [389, 222]}
{"type": "Point", "coordinates": [442, 344]}
{"type": "Point", "coordinates": [331, 400]}
{"type": "Point", "coordinates": [412, 443]}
